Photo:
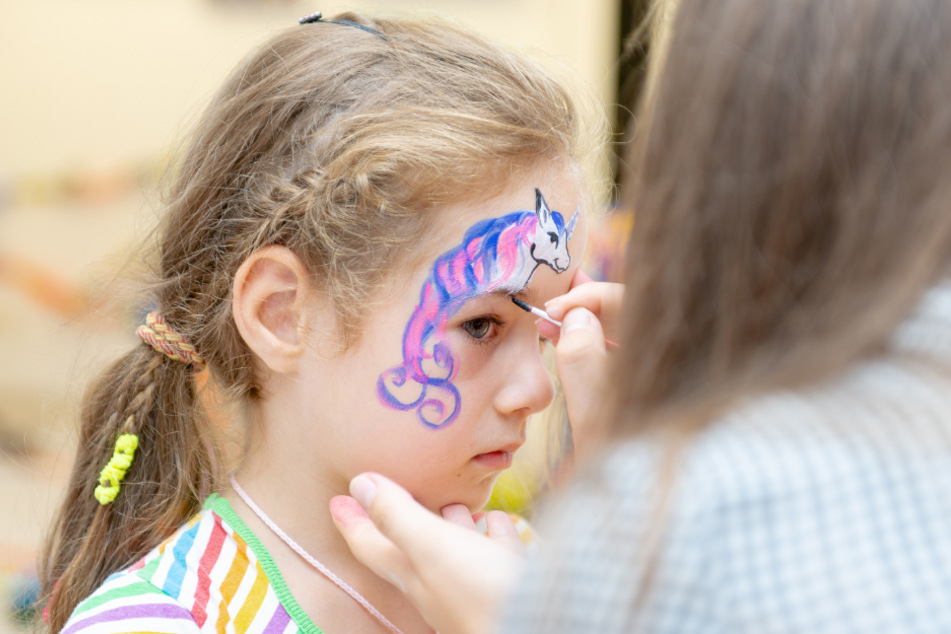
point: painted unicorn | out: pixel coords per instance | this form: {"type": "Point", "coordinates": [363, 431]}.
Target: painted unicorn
{"type": "Point", "coordinates": [496, 253]}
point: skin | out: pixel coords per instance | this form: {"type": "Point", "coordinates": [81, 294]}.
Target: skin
{"type": "Point", "coordinates": [582, 359]}
{"type": "Point", "coordinates": [455, 576]}
{"type": "Point", "coordinates": [319, 423]}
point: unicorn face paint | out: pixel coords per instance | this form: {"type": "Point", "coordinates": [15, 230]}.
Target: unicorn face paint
{"type": "Point", "coordinates": [483, 352]}
{"type": "Point", "coordinates": [496, 254]}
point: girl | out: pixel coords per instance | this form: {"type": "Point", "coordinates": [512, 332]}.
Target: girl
{"type": "Point", "coordinates": [782, 393]}
{"type": "Point", "coordinates": [355, 209]}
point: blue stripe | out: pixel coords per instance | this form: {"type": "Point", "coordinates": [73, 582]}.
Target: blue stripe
{"type": "Point", "coordinates": [173, 582]}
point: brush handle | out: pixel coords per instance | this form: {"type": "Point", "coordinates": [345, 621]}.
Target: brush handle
{"type": "Point", "coordinates": [609, 343]}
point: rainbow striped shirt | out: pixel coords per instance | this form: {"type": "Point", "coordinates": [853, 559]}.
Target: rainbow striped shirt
{"type": "Point", "coordinates": [212, 575]}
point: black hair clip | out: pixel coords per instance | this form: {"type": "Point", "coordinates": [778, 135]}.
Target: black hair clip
{"type": "Point", "coordinates": [317, 16]}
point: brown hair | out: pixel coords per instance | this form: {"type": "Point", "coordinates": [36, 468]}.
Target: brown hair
{"type": "Point", "coordinates": [791, 180]}
{"type": "Point", "coordinates": [790, 177]}
{"type": "Point", "coordinates": [340, 145]}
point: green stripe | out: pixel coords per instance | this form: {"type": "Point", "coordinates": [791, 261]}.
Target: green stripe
{"type": "Point", "coordinates": [136, 589]}
{"type": "Point", "coordinates": [221, 506]}
{"type": "Point", "coordinates": [148, 570]}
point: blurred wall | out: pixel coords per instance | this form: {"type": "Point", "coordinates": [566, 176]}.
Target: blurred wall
{"type": "Point", "coordinates": [102, 82]}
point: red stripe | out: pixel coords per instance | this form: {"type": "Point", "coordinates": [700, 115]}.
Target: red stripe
{"type": "Point", "coordinates": [205, 566]}
{"type": "Point", "coordinates": [139, 564]}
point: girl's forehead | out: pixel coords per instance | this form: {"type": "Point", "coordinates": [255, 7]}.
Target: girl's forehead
{"type": "Point", "coordinates": [499, 246]}
{"type": "Point", "coordinates": [562, 196]}
{"type": "Point", "coordinates": [479, 230]}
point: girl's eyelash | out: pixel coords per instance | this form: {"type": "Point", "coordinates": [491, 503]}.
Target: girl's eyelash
{"type": "Point", "coordinates": [494, 321]}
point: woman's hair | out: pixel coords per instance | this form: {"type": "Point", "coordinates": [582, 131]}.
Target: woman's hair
{"type": "Point", "coordinates": [341, 145]}
{"type": "Point", "coordinates": [791, 184]}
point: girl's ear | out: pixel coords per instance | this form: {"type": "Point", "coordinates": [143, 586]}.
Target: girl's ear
{"type": "Point", "coordinates": [269, 300]}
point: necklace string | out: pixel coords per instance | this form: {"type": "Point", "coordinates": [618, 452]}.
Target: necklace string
{"type": "Point", "coordinates": [322, 569]}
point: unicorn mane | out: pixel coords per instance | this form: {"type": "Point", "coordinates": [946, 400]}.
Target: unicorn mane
{"type": "Point", "coordinates": [494, 253]}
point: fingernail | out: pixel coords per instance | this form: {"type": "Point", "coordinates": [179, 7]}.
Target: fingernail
{"type": "Point", "coordinates": [576, 319]}
{"type": "Point", "coordinates": [345, 511]}
{"type": "Point", "coordinates": [482, 525]}
{"type": "Point", "coordinates": [363, 489]}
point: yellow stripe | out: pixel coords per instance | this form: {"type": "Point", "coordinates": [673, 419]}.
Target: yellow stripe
{"type": "Point", "coordinates": [239, 565]}
{"type": "Point", "coordinates": [525, 531]}
{"type": "Point", "coordinates": [254, 601]}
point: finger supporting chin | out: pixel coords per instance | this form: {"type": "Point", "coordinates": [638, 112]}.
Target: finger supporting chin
{"type": "Point", "coordinates": [347, 512]}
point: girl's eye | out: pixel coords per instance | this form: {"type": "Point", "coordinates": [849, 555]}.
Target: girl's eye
{"type": "Point", "coordinates": [480, 328]}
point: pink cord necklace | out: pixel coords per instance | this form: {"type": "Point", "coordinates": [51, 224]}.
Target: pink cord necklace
{"type": "Point", "coordinates": [322, 569]}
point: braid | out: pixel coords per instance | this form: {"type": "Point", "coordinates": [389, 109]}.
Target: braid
{"type": "Point", "coordinates": [158, 334]}
{"type": "Point", "coordinates": [164, 474]}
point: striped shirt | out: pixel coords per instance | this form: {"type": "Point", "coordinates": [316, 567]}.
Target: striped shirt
{"type": "Point", "coordinates": [212, 575]}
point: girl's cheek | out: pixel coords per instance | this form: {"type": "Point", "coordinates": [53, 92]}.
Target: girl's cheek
{"type": "Point", "coordinates": [470, 356]}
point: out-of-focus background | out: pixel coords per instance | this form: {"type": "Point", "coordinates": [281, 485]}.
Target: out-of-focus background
{"type": "Point", "coordinates": [94, 96]}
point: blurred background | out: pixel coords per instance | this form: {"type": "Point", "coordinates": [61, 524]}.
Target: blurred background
{"type": "Point", "coordinates": [94, 96]}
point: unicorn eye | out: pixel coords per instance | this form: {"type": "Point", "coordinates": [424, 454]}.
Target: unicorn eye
{"type": "Point", "coordinates": [480, 328]}
{"type": "Point", "coordinates": [554, 237]}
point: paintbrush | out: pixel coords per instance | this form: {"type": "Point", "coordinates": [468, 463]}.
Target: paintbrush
{"type": "Point", "coordinates": [540, 313]}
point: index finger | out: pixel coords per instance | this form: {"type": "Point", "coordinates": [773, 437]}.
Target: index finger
{"type": "Point", "coordinates": [601, 298]}
{"type": "Point", "coordinates": [580, 278]}
{"type": "Point", "coordinates": [595, 296]}
{"type": "Point", "coordinates": [399, 517]}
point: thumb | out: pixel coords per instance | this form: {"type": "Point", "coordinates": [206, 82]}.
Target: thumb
{"type": "Point", "coordinates": [581, 360]}
{"type": "Point", "coordinates": [397, 516]}
{"type": "Point", "coordinates": [581, 342]}
{"type": "Point", "coordinates": [374, 523]}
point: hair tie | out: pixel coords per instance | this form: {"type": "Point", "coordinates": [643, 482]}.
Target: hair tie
{"type": "Point", "coordinates": [158, 334]}
{"type": "Point", "coordinates": [317, 16]}
{"type": "Point", "coordinates": [110, 479]}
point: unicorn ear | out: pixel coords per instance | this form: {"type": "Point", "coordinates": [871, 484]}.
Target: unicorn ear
{"type": "Point", "coordinates": [571, 223]}
{"type": "Point", "coordinates": [541, 208]}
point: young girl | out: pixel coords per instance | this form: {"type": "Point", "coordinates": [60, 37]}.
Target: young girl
{"type": "Point", "coordinates": [356, 208]}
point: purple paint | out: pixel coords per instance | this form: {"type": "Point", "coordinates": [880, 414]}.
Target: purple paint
{"type": "Point", "coordinates": [494, 254]}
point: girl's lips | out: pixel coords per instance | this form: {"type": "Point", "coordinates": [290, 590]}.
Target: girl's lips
{"type": "Point", "coordinates": [495, 460]}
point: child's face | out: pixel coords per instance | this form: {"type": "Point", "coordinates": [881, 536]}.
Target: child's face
{"type": "Point", "coordinates": [436, 392]}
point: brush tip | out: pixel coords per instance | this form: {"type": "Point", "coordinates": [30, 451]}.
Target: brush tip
{"type": "Point", "coordinates": [521, 304]}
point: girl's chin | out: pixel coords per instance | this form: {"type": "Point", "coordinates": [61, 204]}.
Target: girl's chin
{"type": "Point", "coordinates": [474, 499]}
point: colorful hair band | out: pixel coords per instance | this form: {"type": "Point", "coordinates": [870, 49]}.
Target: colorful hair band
{"type": "Point", "coordinates": [317, 16]}
{"type": "Point", "coordinates": [158, 334]}
{"type": "Point", "coordinates": [110, 479]}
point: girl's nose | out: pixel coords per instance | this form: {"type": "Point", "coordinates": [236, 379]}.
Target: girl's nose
{"type": "Point", "coordinates": [527, 387]}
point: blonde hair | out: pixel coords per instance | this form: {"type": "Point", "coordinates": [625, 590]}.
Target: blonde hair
{"type": "Point", "coordinates": [340, 145]}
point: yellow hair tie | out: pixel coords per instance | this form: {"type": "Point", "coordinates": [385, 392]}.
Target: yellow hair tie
{"type": "Point", "coordinates": [110, 478]}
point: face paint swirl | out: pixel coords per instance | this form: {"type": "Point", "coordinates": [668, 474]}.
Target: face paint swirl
{"type": "Point", "coordinates": [496, 253]}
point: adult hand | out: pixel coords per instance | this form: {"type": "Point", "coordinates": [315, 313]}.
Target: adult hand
{"type": "Point", "coordinates": [601, 298]}
{"type": "Point", "coordinates": [587, 311]}
{"type": "Point", "coordinates": [454, 575]}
